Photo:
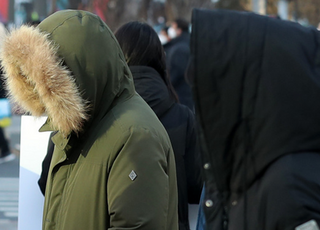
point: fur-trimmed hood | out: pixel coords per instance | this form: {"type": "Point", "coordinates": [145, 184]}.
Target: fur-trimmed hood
{"type": "Point", "coordinates": [70, 67]}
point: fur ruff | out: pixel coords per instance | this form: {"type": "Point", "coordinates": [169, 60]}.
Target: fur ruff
{"type": "Point", "coordinates": [38, 82]}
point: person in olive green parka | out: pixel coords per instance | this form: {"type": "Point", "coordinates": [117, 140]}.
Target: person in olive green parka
{"type": "Point", "coordinates": [113, 165]}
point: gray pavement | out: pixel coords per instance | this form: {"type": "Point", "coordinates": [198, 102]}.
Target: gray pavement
{"type": "Point", "coordinates": [9, 180]}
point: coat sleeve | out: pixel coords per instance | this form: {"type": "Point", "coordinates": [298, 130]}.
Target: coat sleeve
{"type": "Point", "coordinates": [143, 201]}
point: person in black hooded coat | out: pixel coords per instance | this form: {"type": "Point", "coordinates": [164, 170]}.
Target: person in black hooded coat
{"type": "Point", "coordinates": [146, 59]}
{"type": "Point", "coordinates": [256, 84]}
{"type": "Point", "coordinates": [177, 56]}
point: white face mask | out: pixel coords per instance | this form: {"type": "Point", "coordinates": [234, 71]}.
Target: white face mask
{"type": "Point", "coordinates": [163, 39]}
{"type": "Point", "coordinates": [172, 33]}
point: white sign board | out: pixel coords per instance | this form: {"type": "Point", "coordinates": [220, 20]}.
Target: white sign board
{"type": "Point", "coordinates": [33, 148]}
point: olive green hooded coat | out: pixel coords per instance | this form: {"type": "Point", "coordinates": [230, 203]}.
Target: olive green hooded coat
{"type": "Point", "coordinates": [113, 165]}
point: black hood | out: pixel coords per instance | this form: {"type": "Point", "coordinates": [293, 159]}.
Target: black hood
{"type": "Point", "coordinates": [256, 89]}
{"type": "Point", "coordinates": [152, 89]}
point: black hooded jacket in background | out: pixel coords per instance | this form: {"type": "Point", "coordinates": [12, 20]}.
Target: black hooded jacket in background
{"type": "Point", "coordinates": [257, 93]}
{"type": "Point", "coordinates": [177, 55]}
{"type": "Point", "coordinates": [179, 122]}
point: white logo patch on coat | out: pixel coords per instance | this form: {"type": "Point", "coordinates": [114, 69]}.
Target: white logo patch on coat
{"type": "Point", "coordinates": [310, 225]}
{"type": "Point", "coordinates": [133, 175]}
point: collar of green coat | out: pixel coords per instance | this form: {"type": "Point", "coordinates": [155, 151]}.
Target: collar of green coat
{"type": "Point", "coordinates": [61, 141]}
{"type": "Point", "coordinates": [47, 126]}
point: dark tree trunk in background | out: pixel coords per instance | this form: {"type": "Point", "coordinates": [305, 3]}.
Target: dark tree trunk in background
{"type": "Point", "coordinates": [183, 8]}
{"type": "Point", "coordinates": [115, 13]}
{"type": "Point", "coordinates": [231, 4]}
{"type": "Point", "coordinates": [308, 9]}
{"type": "Point", "coordinates": [121, 11]}
{"type": "Point", "coordinates": [11, 11]}
{"type": "Point", "coordinates": [74, 4]}
{"type": "Point", "coordinates": [272, 7]}
{"type": "Point", "coordinates": [53, 6]}
{"type": "Point", "coordinates": [144, 9]}
{"type": "Point", "coordinates": [40, 6]}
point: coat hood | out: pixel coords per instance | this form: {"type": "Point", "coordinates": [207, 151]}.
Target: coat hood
{"type": "Point", "coordinates": [70, 67]}
{"type": "Point", "coordinates": [256, 89]}
{"type": "Point", "coordinates": [152, 89]}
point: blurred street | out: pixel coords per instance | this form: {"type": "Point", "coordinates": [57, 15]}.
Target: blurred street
{"type": "Point", "coordinates": [9, 180]}
{"type": "Point", "coordinates": [267, 118]}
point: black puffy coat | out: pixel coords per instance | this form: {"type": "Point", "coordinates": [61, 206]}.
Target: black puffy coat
{"type": "Point", "coordinates": [257, 92]}
{"type": "Point", "coordinates": [179, 122]}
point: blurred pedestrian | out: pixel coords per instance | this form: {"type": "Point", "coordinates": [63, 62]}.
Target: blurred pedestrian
{"type": "Point", "coordinates": [113, 165]}
{"type": "Point", "coordinates": [257, 87]}
{"type": "Point", "coordinates": [177, 54]}
{"type": "Point", "coordinates": [146, 59]}
{"type": "Point", "coordinates": [163, 36]}
{"type": "Point", "coordinates": [5, 153]}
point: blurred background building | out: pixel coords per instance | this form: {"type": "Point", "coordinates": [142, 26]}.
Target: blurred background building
{"type": "Point", "coordinates": [116, 12]}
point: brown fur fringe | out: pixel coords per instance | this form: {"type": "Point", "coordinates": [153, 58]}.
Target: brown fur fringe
{"type": "Point", "coordinates": [38, 82]}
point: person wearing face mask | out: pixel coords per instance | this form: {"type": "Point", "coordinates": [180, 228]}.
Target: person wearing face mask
{"type": "Point", "coordinates": [163, 36]}
{"type": "Point", "coordinates": [177, 55]}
